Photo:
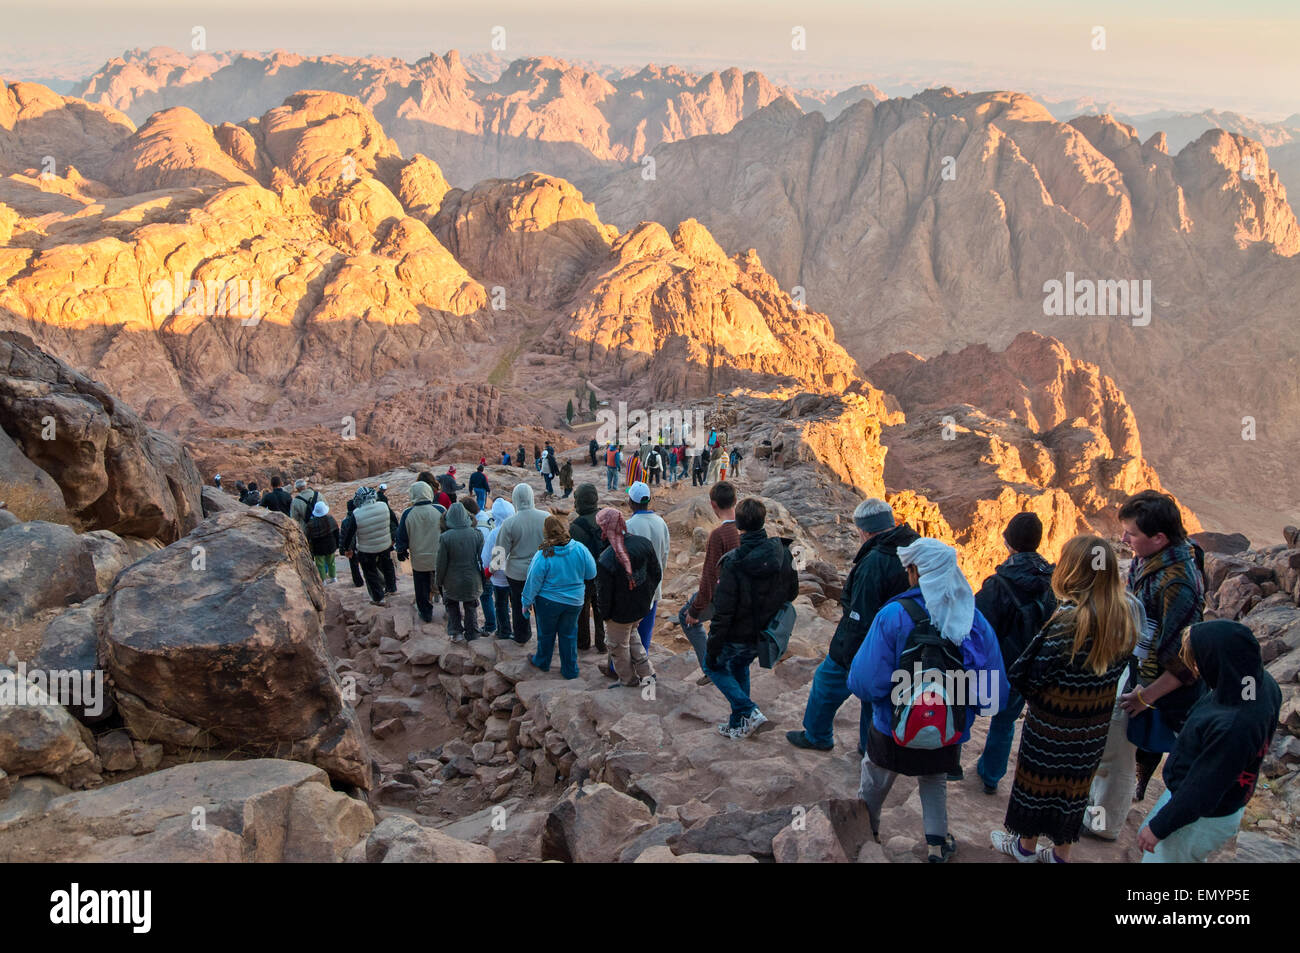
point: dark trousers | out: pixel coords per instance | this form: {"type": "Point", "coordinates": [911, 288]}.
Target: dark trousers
{"type": "Point", "coordinates": [589, 610]}
{"type": "Point", "coordinates": [654, 476]}
{"type": "Point", "coordinates": [354, 563]}
{"type": "Point", "coordinates": [697, 478]}
{"type": "Point", "coordinates": [462, 619]}
{"type": "Point", "coordinates": [523, 625]}
{"type": "Point", "coordinates": [388, 570]}
{"type": "Point", "coordinates": [548, 478]}
{"type": "Point", "coordinates": [374, 578]}
{"type": "Point", "coordinates": [424, 593]}
{"type": "Point", "coordinates": [501, 603]}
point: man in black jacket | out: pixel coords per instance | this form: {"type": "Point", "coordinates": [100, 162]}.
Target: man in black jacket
{"type": "Point", "coordinates": [755, 580]}
{"type": "Point", "coordinates": [1016, 600]}
{"type": "Point", "coordinates": [583, 528]}
{"type": "Point", "coordinates": [348, 544]}
{"type": "Point", "coordinates": [876, 577]}
{"type": "Point", "coordinates": [277, 498]}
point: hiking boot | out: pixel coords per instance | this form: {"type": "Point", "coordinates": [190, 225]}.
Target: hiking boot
{"type": "Point", "coordinates": [800, 740]}
{"type": "Point", "coordinates": [426, 617]}
{"type": "Point", "coordinates": [939, 853]}
{"type": "Point", "coordinates": [1009, 844]}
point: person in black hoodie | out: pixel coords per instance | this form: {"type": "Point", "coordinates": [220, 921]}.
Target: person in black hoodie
{"type": "Point", "coordinates": [583, 528]}
{"type": "Point", "coordinates": [1016, 600]}
{"type": "Point", "coordinates": [592, 447]}
{"type": "Point", "coordinates": [348, 544]}
{"type": "Point", "coordinates": [277, 498]}
{"type": "Point", "coordinates": [755, 579]}
{"type": "Point", "coordinates": [876, 577]}
{"type": "Point", "coordinates": [1211, 773]}
{"type": "Point", "coordinates": [627, 574]}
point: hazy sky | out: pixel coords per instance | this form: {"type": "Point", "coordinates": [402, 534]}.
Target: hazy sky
{"type": "Point", "coordinates": [1190, 53]}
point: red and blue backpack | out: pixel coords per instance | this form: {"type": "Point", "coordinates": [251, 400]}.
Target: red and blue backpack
{"type": "Point", "coordinates": [928, 713]}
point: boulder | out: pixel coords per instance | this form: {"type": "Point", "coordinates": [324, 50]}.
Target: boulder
{"type": "Point", "coordinates": [1235, 596]}
{"type": "Point", "coordinates": [239, 657]}
{"type": "Point", "coordinates": [809, 839]}
{"type": "Point", "coordinates": [733, 832]}
{"type": "Point", "coordinates": [42, 566]}
{"type": "Point", "coordinates": [114, 472]}
{"type": "Point", "coordinates": [70, 643]}
{"type": "Point", "coordinates": [109, 554]}
{"type": "Point", "coordinates": [38, 736]}
{"type": "Point", "coordinates": [400, 840]}
{"type": "Point", "coordinates": [216, 501]}
{"type": "Point", "coordinates": [591, 824]}
{"type": "Point", "coordinates": [263, 810]}
{"type": "Point", "coordinates": [1227, 543]}
{"type": "Point", "coordinates": [662, 855]}
{"type": "Point", "coordinates": [25, 486]}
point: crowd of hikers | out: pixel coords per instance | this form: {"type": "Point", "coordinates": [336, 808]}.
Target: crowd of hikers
{"type": "Point", "coordinates": [1114, 673]}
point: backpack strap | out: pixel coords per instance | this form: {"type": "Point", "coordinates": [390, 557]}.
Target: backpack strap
{"type": "Point", "coordinates": [1010, 590]}
{"type": "Point", "coordinates": [914, 611]}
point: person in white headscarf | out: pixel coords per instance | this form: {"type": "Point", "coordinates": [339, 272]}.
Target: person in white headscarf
{"type": "Point", "coordinates": [940, 595]}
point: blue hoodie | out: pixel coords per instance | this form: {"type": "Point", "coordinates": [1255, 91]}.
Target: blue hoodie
{"type": "Point", "coordinates": [871, 676]}
{"type": "Point", "coordinates": [562, 577]}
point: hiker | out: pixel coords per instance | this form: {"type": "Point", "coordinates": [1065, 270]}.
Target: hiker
{"type": "Point", "coordinates": [1212, 771]}
{"type": "Point", "coordinates": [1158, 695]}
{"type": "Point", "coordinates": [934, 621]}
{"type": "Point", "coordinates": [723, 538]}
{"type": "Point", "coordinates": [483, 524]}
{"type": "Point", "coordinates": [1017, 600]}
{"type": "Point", "coordinates": [537, 458]}
{"type": "Point", "coordinates": [520, 537]}
{"type": "Point", "coordinates": [251, 495]}
{"type": "Point", "coordinates": [653, 466]}
{"type": "Point", "coordinates": [549, 470]}
{"type": "Point", "coordinates": [417, 539]}
{"type": "Point", "coordinates": [583, 528]}
{"type": "Point", "coordinates": [613, 460]}
{"type": "Point", "coordinates": [460, 574]}
{"type": "Point", "coordinates": [373, 539]}
{"type": "Point", "coordinates": [754, 581]}
{"type": "Point", "coordinates": [733, 458]}
{"type": "Point", "coordinates": [385, 559]}
{"type": "Point", "coordinates": [716, 462]}
{"type": "Point", "coordinates": [646, 522]}
{"type": "Point", "coordinates": [1068, 675]}
{"type": "Point", "coordinates": [556, 588]}
{"type": "Point", "coordinates": [627, 575]}
{"type": "Point", "coordinates": [216, 480]}
{"type": "Point", "coordinates": [304, 501]}
{"type": "Point", "coordinates": [502, 510]}
{"type": "Point", "coordinates": [505, 458]}
{"type": "Point", "coordinates": [699, 466]}
{"type": "Point", "coordinates": [447, 483]}
{"type": "Point", "coordinates": [347, 544]}
{"type": "Point", "coordinates": [875, 577]}
{"type": "Point", "coordinates": [478, 484]}
{"type": "Point", "coordinates": [592, 448]}
{"type": "Point", "coordinates": [323, 536]}
{"type": "Point", "coordinates": [277, 498]}
{"type": "Point", "coordinates": [566, 479]}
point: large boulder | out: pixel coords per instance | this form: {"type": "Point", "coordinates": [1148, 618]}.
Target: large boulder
{"type": "Point", "coordinates": [212, 811]}
{"type": "Point", "coordinates": [114, 472]}
{"type": "Point", "coordinates": [592, 823]}
{"type": "Point", "coordinates": [39, 736]}
{"type": "Point", "coordinates": [400, 840]}
{"type": "Point", "coordinates": [217, 641]}
{"type": "Point", "coordinates": [25, 487]}
{"type": "Point", "coordinates": [109, 553]}
{"type": "Point", "coordinates": [734, 832]}
{"type": "Point", "coordinates": [71, 644]}
{"type": "Point", "coordinates": [42, 566]}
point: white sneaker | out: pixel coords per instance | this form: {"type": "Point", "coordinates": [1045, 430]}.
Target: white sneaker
{"type": "Point", "coordinates": [1009, 844]}
{"type": "Point", "coordinates": [756, 721]}
{"type": "Point", "coordinates": [1047, 855]}
{"type": "Point", "coordinates": [727, 731]}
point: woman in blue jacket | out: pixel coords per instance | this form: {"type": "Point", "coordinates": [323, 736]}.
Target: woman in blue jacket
{"type": "Point", "coordinates": [557, 587]}
{"type": "Point", "coordinates": [939, 589]}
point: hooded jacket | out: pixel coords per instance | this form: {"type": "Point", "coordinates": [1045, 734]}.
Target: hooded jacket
{"type": "Point", "coordinates": [502, 510]}
{"type": "Point", "coordinates": [1027, 577]}
{"type": "Point", "coordinates": [460, 574]}
{"type": "Point", "coordinates": [614, 600]}
{"type": "Point", "coordinates": [1215, 762]}
{"type": "Point", "coordinates": [418, 532]}
{"type": "Point", "coordinates": [754, 580]}
{"type": "Point", "coordinates": [583, 527]}
{"type": "Point", "coordinates": [561, 577]}
{"type": "Point", "coordinates": [872, 674]}
{"type": "Point", "coordinates": [876, 577]}
{"type": "Point", "coordinates": [522, 534]}
{"type": "Point", "coordinates": [566, 476]}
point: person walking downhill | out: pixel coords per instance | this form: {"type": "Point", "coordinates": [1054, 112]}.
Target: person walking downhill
{"type": "Point", "coordinates": [385, 561]}
{"type": "Point", "coordinates": [701, 461]}
{"type": "Point", "coordinates": [653, 467]}
{"type": "Point", "coordinates": [277, 498]}
{"type": "Point", "coordinates": [627, 574]}
{"type": "Point", "coordinates": [917, 727]}
{"type": "Point", "coordinates": [876, 577]}
{"type": "Point", "coordinates": [304, 502]}
{"type": "Point", "coordinates": [486, 602]}
{"type": "Point", "coordinates": [1211, 774]}
{"type": "Point", "coordinates": [592, 449]}
{"type": "Point", "coordinates": [566, 479]}
{"type": "Point", "coordinates": [549, 470]}
{"type": "Point", "coordinates": [1068, 675]}
{"type": "Point", "coordinates": [520, 537]}
{"type": "Point", "coordinates": [722, 539]}
{"type": "Point", "coordinates": [460, 574]}
{"type": "Point", "coordinates": [323, 535]}
{"type": "Point", "coordinates": [347, 545]}
{"type": "Point", "coordinates": [494, 562]}
{"type": "Point", "coordinates": [556, 587]}
{"type": "Point", "coordinates": [613, 460]}
{"type": "Point", "coordinates": [418, 533]}
{"type": "Point", "coordinates": [583, 528]}
{"type": "Point", "coordinates": [478, 484]}
{"type": "Point", "coordinates": [646, 522]}
{"type": "Point", "coordinates": [373, 539]}
{"type": "Point", "coordinates": [1017, 600]}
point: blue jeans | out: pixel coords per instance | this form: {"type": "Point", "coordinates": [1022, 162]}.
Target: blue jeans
{"type": "Point", "coordinates": [1192, 843]}
{"type": "Point", "coordinates": [557, 620]}
{"type": "Point", "coordinates": [480, 494]}
{"type": "Point", "coordinates": [732, 678]}
{"type": "Point", "coordinates": [489, 610]}
{"type": "Point", "coordinates": [829, 691]}
{"type": "Point", "coordinates": [548, 478]}
{"type": "Point", "coordinates": [992, 765]}
{"type": "Point", "coordinates": [695, 634]}
{"type": "Point", "coordinates": [646, 627]}
{"type": "Point", "coordinates": [611, 477]}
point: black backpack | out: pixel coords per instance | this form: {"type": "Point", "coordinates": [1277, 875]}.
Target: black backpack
{"type": "Point", "coordinates": [1030, 618]}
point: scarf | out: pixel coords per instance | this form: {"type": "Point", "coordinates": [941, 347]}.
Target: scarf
{"type": "Point", "coordinates": [614, 528]}
{"type": "Point", "coordinates": [948, 596]}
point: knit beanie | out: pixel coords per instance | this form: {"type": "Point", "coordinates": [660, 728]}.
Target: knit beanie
{"type": "Point", "coordinates": [1024, 532]}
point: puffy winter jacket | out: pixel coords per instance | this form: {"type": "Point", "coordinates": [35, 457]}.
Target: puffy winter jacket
{"type": "Point", "coordinates": [460, 574]}
{"type": "Point", "coordinates": [373, 534]}
{"type": "Point", "coordinates": [522, 534]}
{"type": "Point", "coordinates": [420, 528]}
{"type": "Point", "coordinates": [616, 602]}
{"type": "Point", "coordinates": [754, 580]}
{"type": "Point", "coordinates": [502, 510]}
{"type": "Point", "coordinates": [876, 577]}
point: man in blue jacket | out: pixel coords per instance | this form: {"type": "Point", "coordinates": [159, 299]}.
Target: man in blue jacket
{"type": "Point", "coordinates": [940, 590]}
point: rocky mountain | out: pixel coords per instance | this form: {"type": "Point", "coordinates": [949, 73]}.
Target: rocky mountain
{"type": "Point", "coordinates": [943, 220]}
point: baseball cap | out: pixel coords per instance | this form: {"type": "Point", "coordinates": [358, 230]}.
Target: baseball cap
{"type": "Point", "coordinates": [639, 492]}
{"type": "Point", "coordinates": [383, 486]}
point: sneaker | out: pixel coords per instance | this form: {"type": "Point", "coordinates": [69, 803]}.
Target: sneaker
{"type": "Point", "coordinates": [754, 722]}
{"type": "Point", "coordinates": [727, 731]}
{"type": "Point", "coordinates": [704, 680]}
{"type": "Point", "coordinates": [1009, 844]}
{"type": "Point", "coordinates": [990, 789]}
{"type": "Point", "coordinates": [800, 740]}
{"type": "Point", "coordinates": [939, 853]}
{"type": "Point", "coordinates": [1047, 855]}
{"type": "Point", "coordinates": [378, 602]}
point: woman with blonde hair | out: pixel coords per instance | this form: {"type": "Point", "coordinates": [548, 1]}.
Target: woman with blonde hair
{"type": "Point", "coordinates": [1068, 674]}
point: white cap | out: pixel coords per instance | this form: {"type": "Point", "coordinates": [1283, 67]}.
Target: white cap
{"type": "Point", "coordinates": [639, 492]}
{"type": "Point", "coordinates": [383, 486]}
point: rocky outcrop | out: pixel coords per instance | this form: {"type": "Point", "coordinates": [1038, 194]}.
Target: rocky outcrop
{"type": "Point", "coordinates": [37, 734]}
{"type": "Point", "coordinates": [42, 566]}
